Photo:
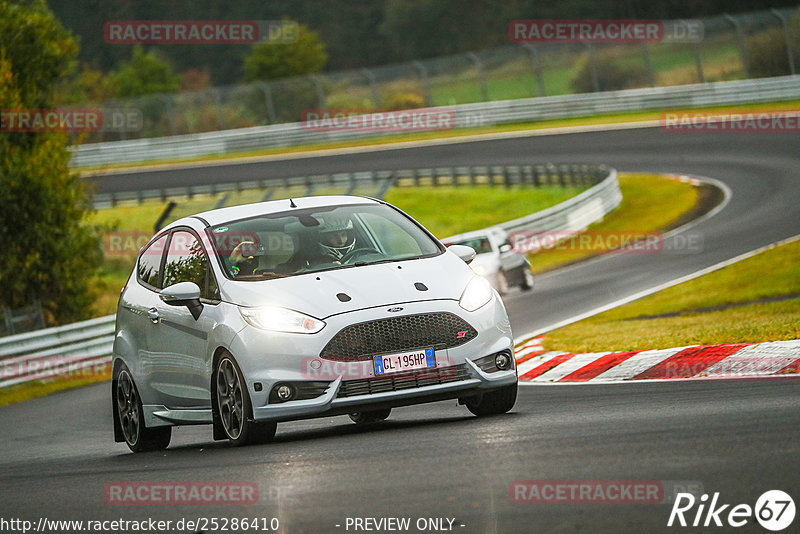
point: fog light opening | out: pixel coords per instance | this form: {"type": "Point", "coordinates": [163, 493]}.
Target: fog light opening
{"type": "Point", "coordinates": [284, 392]}
{"type": "Point", "coordinates": [503, 361]}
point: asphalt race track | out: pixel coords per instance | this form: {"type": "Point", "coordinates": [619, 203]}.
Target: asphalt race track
{"type": "Point", "coordinates": [735, 437]}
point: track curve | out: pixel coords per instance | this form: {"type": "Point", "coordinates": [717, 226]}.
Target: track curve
{"type": "Point", "coordinates": [735, 437]}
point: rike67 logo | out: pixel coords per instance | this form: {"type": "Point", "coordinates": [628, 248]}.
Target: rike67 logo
{"type": "Point", "coordinates": [774, 510]}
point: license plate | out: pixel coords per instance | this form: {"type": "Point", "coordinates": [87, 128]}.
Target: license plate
{"type": "Point", "coordinates": [404, 361]}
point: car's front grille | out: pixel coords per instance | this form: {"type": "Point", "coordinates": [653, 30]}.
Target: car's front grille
{"type": "Point", "coordinates": [395, 334]}
{"type": "Point", "coordinates": [405, 380]}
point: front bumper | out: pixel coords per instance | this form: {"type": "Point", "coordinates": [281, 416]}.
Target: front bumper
{"type": "Point", "coordinates": [267, 359]}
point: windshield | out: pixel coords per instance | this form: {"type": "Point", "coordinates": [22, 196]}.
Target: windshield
{"type": "Point", "coordinates": [312, 240]}
{"type": "Point", "coordinates": [480, 244]}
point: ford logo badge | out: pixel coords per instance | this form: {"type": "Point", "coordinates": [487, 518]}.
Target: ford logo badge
{"type": "Point", "coordinates": [397, 309]}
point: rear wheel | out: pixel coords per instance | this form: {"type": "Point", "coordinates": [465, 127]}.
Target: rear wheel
{"type": "Point", "coordinates": [234, 409]}
{"type": "Point", "coordinates": [373, 416]}
{"type": "Point", "coordinates": [131, 417]}
{"type": "Point", "coordinates": [494, 402]}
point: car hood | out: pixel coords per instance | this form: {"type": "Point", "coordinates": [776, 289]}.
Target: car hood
{"type": "Point", "coordinates": [383, 284]}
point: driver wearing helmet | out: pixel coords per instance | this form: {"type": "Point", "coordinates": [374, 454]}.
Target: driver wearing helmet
{"type": "Point", "coordinates": [336, 237]}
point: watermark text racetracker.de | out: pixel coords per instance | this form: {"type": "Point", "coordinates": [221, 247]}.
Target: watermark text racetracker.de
{"type": "Point", "coordinates": [776, 121]}
{"type": "Point", "coordinates": [601, 491]}
{"type": "Point", "coordinates": [71, 120]}
{"type": "Point", "coordinates": [605, 31]}
{"type": "Point", "coordinates": [626, 241]}
{"type": "Point", "coordinates": [126, 32]}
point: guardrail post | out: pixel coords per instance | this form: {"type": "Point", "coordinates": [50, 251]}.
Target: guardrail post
{"type": "Point", "coordinates": [373, 87]}
{"type": "Point", "coordinates": [220, 109]}
{"type": "Point", "coordinates": [787, 38]}
{"type": "Point", "coordinates": [268, 101]}
{"type": "Point", "coordinates": [698, 63]}
{"type": "Point", "coordinates": [320, 90]}
{"type": "Point", "coordinates": [170, 112]}
{"type": "Point", "coordinates": [742, 48]}
{"type": "Point", "coordinates": [537, 67]}
{"type": "Point", "coordinates": [471, 171]}
{"type": "Point", "coordinates": [426, 82]}
{"type": "Point", "coordinates": [648, 65]}
{"type": "Point", "coordinates": [593, 68]}
{"type": "Point", "coordinates": [481, 78]}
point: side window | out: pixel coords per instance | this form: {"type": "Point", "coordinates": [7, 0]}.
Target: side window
{"type": "Point", "coordinates": [188, 262]}
{"type": "Point", "coordinates": [148, 268]}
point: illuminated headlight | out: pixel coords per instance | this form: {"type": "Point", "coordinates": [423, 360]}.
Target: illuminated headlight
{"type": "Point", "coordinates": [480, 270]}
{"type": "Point", "coordinates": [281, 320]}
{"type": "Point", "coordinates": [477, 294]}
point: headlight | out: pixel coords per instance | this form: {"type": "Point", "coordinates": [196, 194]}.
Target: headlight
{"type": "Point", "coordinates": [477, 294]}
{"type": "Point", "coordinates": [281, 320]}
{"type": "Point", "coordinates": [479, 269]}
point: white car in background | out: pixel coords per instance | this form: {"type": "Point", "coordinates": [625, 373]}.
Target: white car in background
{"type": "Point", "coordinates": [495, 259]}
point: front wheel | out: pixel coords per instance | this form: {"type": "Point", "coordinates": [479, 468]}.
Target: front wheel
{"type": "Point", "coordinates": [234, 409]}
{"type": "Point", "coordinates": [374, 416]}
{"type": "Point", "coordinates": [131, 417]}
{"type": "Point", "coordinates": [494, 402]}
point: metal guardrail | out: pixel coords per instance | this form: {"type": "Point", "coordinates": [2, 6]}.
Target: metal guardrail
{"type": "Point", "coordinates": [574, 214]}
{"type": "Point", "coordinates": [379, 181]}
{"type": "Point", "coordinates": [74, 348]}
{"type": "Point", "coordinates": [466, 115]}
{"type": "Point", "coordinates": [63, 350]}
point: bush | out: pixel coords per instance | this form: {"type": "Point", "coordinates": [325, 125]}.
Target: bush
{"type": "Point", "coordinates": [766, 51]}
{"type": "Point", "coordinates": [402, 95]}
{"type": "Point", "coordinates": [613, 73]}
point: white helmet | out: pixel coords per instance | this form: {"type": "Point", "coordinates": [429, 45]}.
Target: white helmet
{"type": "Point", "coordinates": [336, 236]}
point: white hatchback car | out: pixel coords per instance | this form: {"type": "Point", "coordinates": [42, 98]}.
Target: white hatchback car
{"type": "Point", "coordinates": [496, 260]}
{"type": "Point", "coordinates": [245, 316]}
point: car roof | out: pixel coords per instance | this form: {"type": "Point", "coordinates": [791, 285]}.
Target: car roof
{"type": "Point", "coordinates": [232, 213]}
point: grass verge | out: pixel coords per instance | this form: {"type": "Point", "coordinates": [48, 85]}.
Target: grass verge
{"type": "Point", "coordinates": [755, 300]}
{"type": "Point", "coordinates": [40, 388]}
{"type": "Point", "coordinates": [424, 136]}
{"type": "Point", "coordinates": [634, 215]}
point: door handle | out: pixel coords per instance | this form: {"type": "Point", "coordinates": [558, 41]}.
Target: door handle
{"type": "Point", "coordinates": [152, 313]}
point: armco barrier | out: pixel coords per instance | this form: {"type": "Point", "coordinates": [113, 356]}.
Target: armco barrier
{"type": "Point", "coordinates": [85, 345]}
{"type": "Point", "coordinates": [56, 351]}
{"type": "Point", "coordinates": [486, 113]}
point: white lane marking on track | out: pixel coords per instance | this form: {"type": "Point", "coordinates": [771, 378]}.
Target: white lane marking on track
{"type": "Point", "coordinates": [657, 288]}
{"type": "Point", "coordinates": [537, 361]}
{"type": "Point", "coordinates": [756, 360]}
{"type": "Point", "coordinates": [636, 364]}
{"type": "Point", "coordinates": [573, 364]}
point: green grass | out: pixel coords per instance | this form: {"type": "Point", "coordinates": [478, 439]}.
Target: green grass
{"type": "Point", "coordinates": [773, 273]}
{"type": "Point", "coordinates": [447, 211]}
{"type": "Point", "coordinates": [635, 214]}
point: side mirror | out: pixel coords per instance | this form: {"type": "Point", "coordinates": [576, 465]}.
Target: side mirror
{"type": "Point", "coordinates": [464, 252]}
{"type": "Point", "coordinates": [505, 248]}
{"type": "Point", "coordinates": [183, 294]}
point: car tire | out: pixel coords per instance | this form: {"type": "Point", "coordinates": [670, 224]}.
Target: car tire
{"type": "Point", "coordinates": [233, 408]}
{"type": "Point", "coordinates": [129, 409]}
{"type": "Point", "coordinates": [372, 416]}
{"type": "Point", "coordinates": [502, 283]}
{"type": "Point", "coordinates": [494, 402]}
{"type": "Point", "coordinates": [527, 279]}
